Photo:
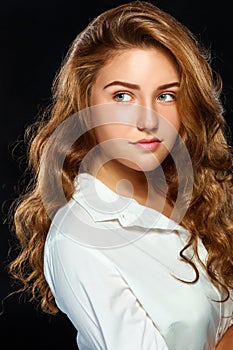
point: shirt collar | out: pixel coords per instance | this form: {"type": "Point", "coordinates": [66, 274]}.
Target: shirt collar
{"type": "Point", "coordinates": [103, 204]}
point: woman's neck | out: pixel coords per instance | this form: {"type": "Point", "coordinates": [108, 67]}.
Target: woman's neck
{"type": "Point", "coordinates": [134, 184]}
{"type": "Point", "coordinates": [123, 180]}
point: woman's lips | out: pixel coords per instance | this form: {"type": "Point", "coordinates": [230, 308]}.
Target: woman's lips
{"type": "Point", "coordinates": [148, 144]}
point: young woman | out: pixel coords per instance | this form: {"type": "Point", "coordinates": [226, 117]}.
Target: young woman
{"type": "Point", "coordinates": [127, 225]}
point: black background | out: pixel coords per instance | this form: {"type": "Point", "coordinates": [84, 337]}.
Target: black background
{"type": "Point", "coordinates": [34, 37]}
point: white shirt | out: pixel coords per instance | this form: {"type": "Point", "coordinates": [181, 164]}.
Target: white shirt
{"type": "Point", "coordinates": [113, 267]}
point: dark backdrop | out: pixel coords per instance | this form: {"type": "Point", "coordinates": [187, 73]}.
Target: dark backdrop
{"type": "Point", "coordinates": [34, 37]}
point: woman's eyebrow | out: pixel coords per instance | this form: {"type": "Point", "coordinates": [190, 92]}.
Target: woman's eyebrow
{"type": "Point", "coordinates": [125, 84]}
{"type": "Point", "coordinates": [168, 85]}
{"type": "Point", "coordinates": [137, 87]}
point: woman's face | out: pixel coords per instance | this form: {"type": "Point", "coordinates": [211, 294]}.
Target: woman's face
{"type": "Point", "coordinates": [136, 117]}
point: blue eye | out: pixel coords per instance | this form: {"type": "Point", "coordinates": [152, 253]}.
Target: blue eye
{"type": "Point", "coordinates": [122, 97]}
{"type": "Point", "coordinates": [166, 97]}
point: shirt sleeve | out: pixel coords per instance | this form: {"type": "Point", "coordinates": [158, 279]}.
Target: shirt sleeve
{"type": "Point", "coordinates": [90, 290]}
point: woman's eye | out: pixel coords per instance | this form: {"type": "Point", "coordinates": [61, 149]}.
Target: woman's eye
{"type": "Point", "coordinates": [166, 97]}
{"type": "Point", "coordinates": [122, 97]}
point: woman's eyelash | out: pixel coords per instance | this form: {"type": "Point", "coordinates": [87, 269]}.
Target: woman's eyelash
{"type": "Point", "coordinates": [127, 97]}
{"type": "Point", "coordinates": [122, 96]}
{"type": "Point", "coordinates": [172, 95]}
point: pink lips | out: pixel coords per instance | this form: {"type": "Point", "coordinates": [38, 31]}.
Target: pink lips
{"type": "Point", "coordinates": [148, 144]}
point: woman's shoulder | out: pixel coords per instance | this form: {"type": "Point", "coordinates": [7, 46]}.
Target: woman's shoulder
{"type": "Point", "coordinates": [67, 244]}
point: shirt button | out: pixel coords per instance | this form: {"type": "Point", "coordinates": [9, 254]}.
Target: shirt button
{"type": "Point", "coordinates": [123, 218]}
{"type": "Point", "coordinates": [127, 217]}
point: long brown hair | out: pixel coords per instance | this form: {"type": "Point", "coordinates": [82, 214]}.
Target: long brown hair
{"type": "Point", "coordinates": [210, 213]}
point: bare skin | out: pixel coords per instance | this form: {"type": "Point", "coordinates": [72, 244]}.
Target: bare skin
{"type": "Point", "coordinates": [226, 343]}
{"type": "Point", "coordinates": [142, 191]}
{"type": "Point", "coordinates": [137, 77]}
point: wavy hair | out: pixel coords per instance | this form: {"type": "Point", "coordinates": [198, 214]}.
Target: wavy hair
{"type": "Point", "coordinates": [209, 216]}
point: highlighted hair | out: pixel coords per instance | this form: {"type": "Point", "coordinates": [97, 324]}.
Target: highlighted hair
{"type": "Point", "coordinates": [209, 216]}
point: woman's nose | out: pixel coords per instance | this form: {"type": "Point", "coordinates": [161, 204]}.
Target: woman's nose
{"type": "Point", "coordinates": [148, 119]}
